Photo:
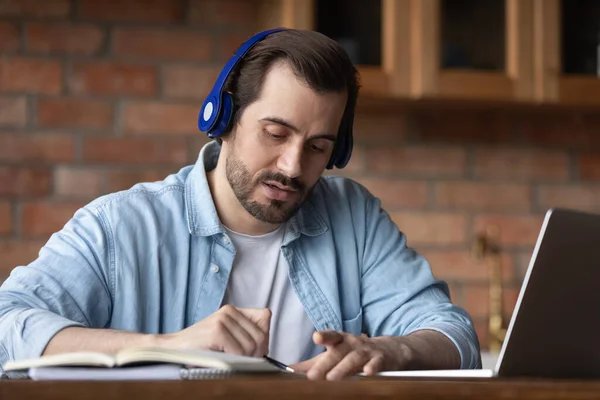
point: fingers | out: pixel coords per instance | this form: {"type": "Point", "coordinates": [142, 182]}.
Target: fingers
{"type": "Point", "coordinates": [233, 338]}
{"type": "Point", "coordinates": [253, 339]}
{"type": "Point", "coordinates": [374, 366]}
{"type": "Point", "coordinates": [257, 323]}
{"type": "Point", "coordinates": [329, 360]}
{"type": "Point", "coordinates": [259, 316]}
{"type": "Point", "coordinates": [224, 340]}
{"type": "Point", "coordinates": [304, 366]}
{"type": "Point", "coordinates": [328, 338]}
{"type": "Point", "coordinates": [351, 364]}
{"type": "Point", "coordinates": [345, 355]}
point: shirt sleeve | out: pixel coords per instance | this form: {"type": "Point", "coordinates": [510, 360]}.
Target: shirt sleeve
{"type": "Point", "coordinates": [67, 285]}
{"type": "Point", "coordinates": [400, 294]}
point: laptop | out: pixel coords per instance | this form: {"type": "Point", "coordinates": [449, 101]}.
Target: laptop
{"type": "Point", "coordinates": [555, 328]}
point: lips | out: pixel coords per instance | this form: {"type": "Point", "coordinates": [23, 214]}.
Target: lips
{"type": "Point", "coordinates": [278, 192]}
{"type": "Point", "coordinates": [279, 186]}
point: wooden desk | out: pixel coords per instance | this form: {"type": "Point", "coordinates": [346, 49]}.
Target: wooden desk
{"type": "Point", "coordinates": [270, 388]}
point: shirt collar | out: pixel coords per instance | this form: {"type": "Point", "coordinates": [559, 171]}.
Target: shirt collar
{"type": "Point", "coordinates": [202, 216]}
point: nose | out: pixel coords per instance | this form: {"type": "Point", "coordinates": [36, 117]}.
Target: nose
{"type": "Point", "coordinates": [290, 161]}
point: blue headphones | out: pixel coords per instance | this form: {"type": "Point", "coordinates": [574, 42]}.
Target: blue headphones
{"type": "Point", "coordinates": [216, 112]}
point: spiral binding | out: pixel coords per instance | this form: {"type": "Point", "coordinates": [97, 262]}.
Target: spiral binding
{"type": "Point", "coordinates": [204, 373]}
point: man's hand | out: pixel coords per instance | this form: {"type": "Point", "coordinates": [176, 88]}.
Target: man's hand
{"type": "Point", "coordinates": [348, 354]}
{"type": "Point", "coordinates": [242, 331]}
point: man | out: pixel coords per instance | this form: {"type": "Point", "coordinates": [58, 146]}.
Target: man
{"type": "Point", "coordinates": [249, 251]}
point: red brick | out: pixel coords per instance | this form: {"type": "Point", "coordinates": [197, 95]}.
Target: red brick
{"type": "Point", "coordinates": [516, 164]}
{"type": "Point", "coordinates": [41, 219]}
{"type": "Point", "coordinates": [103, 78]}
{"type": "Point", "coordinates": [432, 228]}
{"type": "Point", "coordinates": [418, 161]}
{"type": "Point", "coordinates": [455, 289]}
{"type": "Point", "coordinates": [162, 44]}
{"type": "Point", "coordinates": [190, 82]}
{"type": "Point", "coordinates": [357, 162]}
{"type": "Point", "coordinates": [585, 198]}
{"type": "Point", "coordinates": [223, 13]}
{"type": "Point", "coordinates": [36, 8]}
{"type": "Point", "coordinates": [522, 260]}
{"type": "Point", "coordinates": [354, 169]}
{"type": "Point", "coordinates": [5, 218]}
{"type": "Point", "coordinates": [482, 330]}
{"type": "Point", "coordinates": [563, 130]}
{"type": "Point", "coordinates": [17, 253]}
{"type": "Point", "coordinates": [49, 147]}
{"type": "Point", "coordinates": [122, 180]}
{"type": "Point", "coordinates": [462, 265]}
{"type": "Point", "coordinates": [20, 181]}
{"type": "Point", "coordinates": [134, 150]}
{"type": "Point", "coordinates": [195, 145]}
{"type": "Point", "coordinates": [13, 111]}
{"type": "Point", "coordinates": [457, 126]}
{"type": "Point", "coordinates": [78, 182]}
{"type": "Point", "coordinates": [229, 43]}
{"type": "Point", "coordinates": [136, 11]}
{"type": "Point", "coordinates": [395, 193]}
{"type": "Point", "coordinates": [160, 118]}
{"type": "Point", "coordinates": [477, 301]}
{"type": "Point", "coordinates": [483, 196]}
{"type": "Point", "coordinates": [591, 127]}
{"type": "Point", "coordinates": [589, 166]}
{"type": "Point", "coordinates": [515, 230]}
{"type": "Point", "coordinates": [80, 39]}
{"type": "Point", "coordinates": [30, 75]}
{"type": "Point", "coordinates": [510, 296]}
{"type": "Point", "coordinates": [74, 113]}
{"type": "Point", "coordinates": [385, 128]}
{"type": "Point", "coordinates": [9, 36]}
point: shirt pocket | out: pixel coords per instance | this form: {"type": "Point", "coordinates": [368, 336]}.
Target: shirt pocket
{"type": "Point", "coordinates": [353, 325]}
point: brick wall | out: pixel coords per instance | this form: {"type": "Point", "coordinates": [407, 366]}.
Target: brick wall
{"type": "Point", "coordinates": [96, 96]}
{"type": "Point", "coordinates": [447, 173]}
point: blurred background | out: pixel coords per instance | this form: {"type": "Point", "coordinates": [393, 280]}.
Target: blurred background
{"type": "Point", "coordinates": [475, 116]}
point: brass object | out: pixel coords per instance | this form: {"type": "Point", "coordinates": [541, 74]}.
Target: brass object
{"type": "Point", "coordinates": [486, 247]}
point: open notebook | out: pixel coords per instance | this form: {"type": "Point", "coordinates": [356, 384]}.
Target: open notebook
{"type": "Point", "coordinates": [140, 363]}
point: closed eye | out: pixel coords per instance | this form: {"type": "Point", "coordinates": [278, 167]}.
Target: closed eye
{"type": "Point", "coordinates": [316, 148]}
{"type": "Point", "coordinates": [273, 136]}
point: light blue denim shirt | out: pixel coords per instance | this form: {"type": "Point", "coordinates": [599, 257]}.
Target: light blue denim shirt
{"type": "Point", "coordinates": [156, 259]}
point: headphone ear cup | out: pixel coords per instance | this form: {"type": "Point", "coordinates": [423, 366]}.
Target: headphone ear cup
{"type": "Point", "coordinates": [343, 147]}
{"type": "Point", "coordinates": [343, 156]}
{"type": "Point", "coordinates": [206, 116]}
{"type": "Point", "coordinates": [334, 153]}
{"type": "Point", "coordinates": [338, 150]}
{"type": "Point", "coordinates": [224, 118]}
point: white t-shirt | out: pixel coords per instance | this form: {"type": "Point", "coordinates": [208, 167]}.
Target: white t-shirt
{"type": "Point", "coordinates": [259, 279]}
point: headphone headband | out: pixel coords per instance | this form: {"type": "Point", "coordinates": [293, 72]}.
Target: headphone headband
{"type": "Point", "coordinates": [217, 110]}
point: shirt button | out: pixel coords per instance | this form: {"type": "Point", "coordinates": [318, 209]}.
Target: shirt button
{"type": "Point", "coordinates": [226, 239]}
{"type": "Point", "coordinates": [214, 268]}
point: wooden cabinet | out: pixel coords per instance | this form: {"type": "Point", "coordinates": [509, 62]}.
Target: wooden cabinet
{"type": "Point", "coordinates": [527, 51]}
{"type": "Point", "coordinates": [567, 59]}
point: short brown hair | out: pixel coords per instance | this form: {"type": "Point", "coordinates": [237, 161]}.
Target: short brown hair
{"type": "Point", "coordinates": [315, 58]}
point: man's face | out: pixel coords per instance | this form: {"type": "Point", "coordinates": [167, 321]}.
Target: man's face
{"type": "Point", "coordinates": [281, 146]}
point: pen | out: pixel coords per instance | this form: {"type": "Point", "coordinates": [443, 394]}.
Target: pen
{"type": "Point", "coordinates": [278, 364]}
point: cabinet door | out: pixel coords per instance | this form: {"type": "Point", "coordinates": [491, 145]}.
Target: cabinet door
{"type": "Point", "coordinates": [568, 51]}
{"type": "Point", "coordinates": [474, 49]}
{"type": "Point", "coordinates": [356, 24]}
{"type": "Point", "coordinates": [470, 49]}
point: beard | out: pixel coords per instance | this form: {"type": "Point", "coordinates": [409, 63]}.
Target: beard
{"type": "Point", "coordinates": [276, 211]}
